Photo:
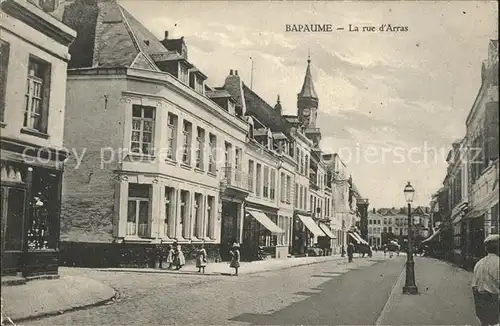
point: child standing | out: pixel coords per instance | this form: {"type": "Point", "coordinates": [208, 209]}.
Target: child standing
{"type": "Point", "coordinates": [235, 260]}
{"type": "Point", "coordinates": [201, 259]}
{"type": "Point", "coordinates": [170, 257]}
{"type": "Point", "coordinates": [179, 259]}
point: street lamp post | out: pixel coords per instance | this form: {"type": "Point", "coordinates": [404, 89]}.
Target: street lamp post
{"type": "Point", "coordinates": [410, 286]}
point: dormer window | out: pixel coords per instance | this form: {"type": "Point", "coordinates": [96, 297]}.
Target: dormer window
{"type": "Point", "coordinates": [197, 80]}
{"type": "Point", "coordinates": [183, 74]}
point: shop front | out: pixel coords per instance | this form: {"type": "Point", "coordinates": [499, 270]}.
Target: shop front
{"type": "Point", "coordinates": [356, 238]}
{"type": "Point", "coordinates": [326, 242]}
{"type": "Point", "coordinates": [260, 234]}
{"type": "Point", "coordinates": [30, 204]}
{"type": "Point", "coordinates": [306, 234]}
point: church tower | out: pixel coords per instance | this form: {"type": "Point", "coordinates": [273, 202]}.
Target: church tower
{"type": "Point", "coordinates": [307, 106]}
{"type": "Point", "coordinates": [307, 100]}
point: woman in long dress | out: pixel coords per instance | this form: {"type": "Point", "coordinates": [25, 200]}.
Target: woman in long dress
{"type": "Point", "coordinates": [179, 256]}
{"type": "Point", "coordinates": [235, 260]}
{"type": "Point", "coordinates": [170, 257]}
{"type": "Point", "coordinates": [201, 259]}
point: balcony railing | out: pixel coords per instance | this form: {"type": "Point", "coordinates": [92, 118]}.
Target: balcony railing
{"type": "Point", "coordinates": [313, 185]}
{"type": "Point", "coordinates": [235, 178]}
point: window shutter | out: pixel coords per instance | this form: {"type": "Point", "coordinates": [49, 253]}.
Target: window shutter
{"type": "Point", "coordinates": [46, 98]}
{"type": "Point", "coordinates": [4, 64]}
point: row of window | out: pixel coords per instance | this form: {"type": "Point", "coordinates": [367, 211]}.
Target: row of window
{"type": "Point", "coordinates": [301, 194]}
{"type": "Point", "coordinates": [318, 179]}
{"type": "Point", "coordinates": [197, 213]}
{"type": "Point", "coordinates": [379, 230]}
{"type": "Point", "coordinates": [302, 159]}
{"type": "Point", "coordinates": [36, 96]}
{"type": "Point", "coordinates": [388, 221]}
{"type": "Point", "coordinates": [265, 182]}
{"type": "Point", "coordinates": [320, 208]}
{"type": "Point", "coordinates": [143, 125]}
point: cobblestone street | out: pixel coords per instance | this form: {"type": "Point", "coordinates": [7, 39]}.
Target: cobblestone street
{"type": "Point", "coordinates": [191, 299]}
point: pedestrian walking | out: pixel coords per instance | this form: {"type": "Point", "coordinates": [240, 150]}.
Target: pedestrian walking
{"type": "Point", "coordinates": [486, 283]}
{"type": "Point", "coordinates": [385, 250]}
{"type": "Point", "coordinates": [170, 257]}
{"type": "Point", "coordinates": [235, 260]}
{"type": "Point", "coordinates": [201, 259]}
{"type": "Point", "coordinates": [350, 251]}
{"type": "Point", "coordinates": [179, 259]}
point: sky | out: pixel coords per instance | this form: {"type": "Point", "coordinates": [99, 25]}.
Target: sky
{"type": "Point", "coordinates": [390, 103]}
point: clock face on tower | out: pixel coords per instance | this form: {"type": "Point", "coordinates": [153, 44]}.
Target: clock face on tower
{"type": "Point", "coordinates": [306, 112]}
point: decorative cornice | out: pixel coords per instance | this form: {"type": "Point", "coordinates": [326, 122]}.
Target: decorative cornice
{"type": "Point", "coordinates": [39, 20]}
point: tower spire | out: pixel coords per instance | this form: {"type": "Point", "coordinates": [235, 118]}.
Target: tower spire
{"type": "Point", "coordinates": [308, 90]}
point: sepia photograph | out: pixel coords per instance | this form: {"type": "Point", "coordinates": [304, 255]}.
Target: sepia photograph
{"type": "Point", "coordinates": [168, 162]}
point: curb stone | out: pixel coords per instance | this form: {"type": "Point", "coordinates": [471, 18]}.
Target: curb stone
{"type": "Point", "coordinates": [154, 271]}
{"type": "Point", "coordinates": [115, 298]}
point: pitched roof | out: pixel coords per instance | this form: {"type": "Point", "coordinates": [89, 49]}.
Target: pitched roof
{"type": "Point", "coordinates": [308, 86]}
{"type": "Point", "coordinates": [255, 105]}
{"type": "Point", "coordinates": [108, 36]}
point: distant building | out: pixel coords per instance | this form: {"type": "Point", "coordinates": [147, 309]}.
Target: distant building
{"type": "Point", "coordinates": [33, 57]}
{"type": "Point", "coordinates": [386, 224]}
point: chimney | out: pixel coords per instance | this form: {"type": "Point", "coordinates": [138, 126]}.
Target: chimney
{"type": "Point", "coordinates": [166, 35]}
{"type": "Point", "coordinates": [48, 5]}
{"type": "Point", "coordinates": [374, 210]}
{"type": "Point", "coordinates": [236, 72]}
{"type": "Point", "coordinates": [231, 72]}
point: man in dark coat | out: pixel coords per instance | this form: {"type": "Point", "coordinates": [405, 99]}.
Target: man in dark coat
{"type": "Point", "coordinates": [350, 251]}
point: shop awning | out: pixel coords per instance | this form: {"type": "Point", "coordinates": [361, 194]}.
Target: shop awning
{"type": "Point", "coordinates": [327, 231]}
{"type": "Point", "coordinates": [475, 213]}
{"type": "Point", "coordinates": [266, 221]}
{"type": "Point", "coordinates": [435, 234]}
{"type": "Point", "coordinates": [354, 237]}
{"type": "Point", "coordinates": [357, 238]}
{"type": "Point", "coordinates": [312, 226]}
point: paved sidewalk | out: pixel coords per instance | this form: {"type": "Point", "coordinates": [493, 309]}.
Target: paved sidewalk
{"type": "Point", "coordinates": [48, 297]}
{"type": "Point", "coordinates": [444, 298]}
{"type": "Point", "coordinates": [245, 268]}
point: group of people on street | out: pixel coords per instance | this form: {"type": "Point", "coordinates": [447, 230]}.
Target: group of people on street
{"type": "Point", "coordinates": [175, 257]}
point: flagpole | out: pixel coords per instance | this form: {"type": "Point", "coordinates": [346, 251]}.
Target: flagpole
{"type": "Point", "coordinates": [251, 75]}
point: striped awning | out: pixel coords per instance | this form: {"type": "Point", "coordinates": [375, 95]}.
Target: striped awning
{"type": "Point", "coordinates": [357, 237]}
{"type": "Point", "coordinates": [266, 222]}
{"type": "Point", "coordinates": [327, 231]}
{"type": "Point", "coordinates": [311, 225]}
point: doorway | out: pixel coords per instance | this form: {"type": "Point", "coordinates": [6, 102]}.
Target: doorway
{"type": "Point", "coordinates": [229, 228]}
{"type": "Point", "coordinates": [12, 233]}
